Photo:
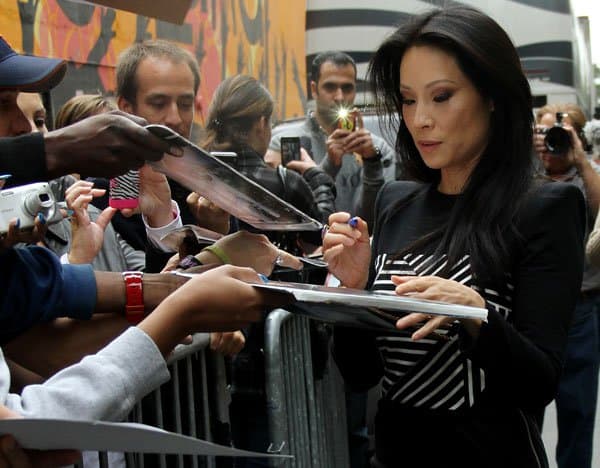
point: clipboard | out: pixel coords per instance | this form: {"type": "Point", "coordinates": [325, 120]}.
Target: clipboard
{"type": "Point", "coordinates": [227, 188]}
{"type": "Point", "coordinates": [360, 308]}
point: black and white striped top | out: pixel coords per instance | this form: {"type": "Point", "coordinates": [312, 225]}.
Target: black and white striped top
{"type": "Point", "coordinates": [430, 373]}
{"type": "Point", "coordinates": [475, 394]}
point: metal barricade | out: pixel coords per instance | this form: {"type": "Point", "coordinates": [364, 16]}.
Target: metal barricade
{"type": "Point", "coordinates": [192, 402]}
{"type": "Point", "coordinates": [307, 416]}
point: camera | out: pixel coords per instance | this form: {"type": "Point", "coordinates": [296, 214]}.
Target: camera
{"type": "Point", "coordinates": [25, 202]}
{"type": "Point", "coordinates": [557, 139]}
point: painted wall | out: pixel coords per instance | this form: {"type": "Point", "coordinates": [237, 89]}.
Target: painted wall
{"type": "Point", "coordinates": [262, 38]}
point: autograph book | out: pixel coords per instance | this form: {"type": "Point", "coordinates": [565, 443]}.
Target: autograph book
{"type": "Point", "coordinates": [227, 188]}
{"type": "Point", "coordinates": [359, 308]}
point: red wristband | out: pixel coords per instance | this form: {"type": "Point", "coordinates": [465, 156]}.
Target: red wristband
{"type": "Point", "coordinates": [134, 303]}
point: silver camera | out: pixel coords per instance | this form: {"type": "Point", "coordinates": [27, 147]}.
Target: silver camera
{"type": "Point", "coordinates": [25, 202]}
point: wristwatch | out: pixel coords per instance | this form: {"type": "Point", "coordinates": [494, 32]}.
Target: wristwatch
{"type": "Point", "coordinates": [134, 296]}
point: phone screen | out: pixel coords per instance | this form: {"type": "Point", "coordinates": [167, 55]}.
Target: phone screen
{"type": "Point", "coordinates": [124, 190]}
{"type": "Point", "coordinates": [290, 149]}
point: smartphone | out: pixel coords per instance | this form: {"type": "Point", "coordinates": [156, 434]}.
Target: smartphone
{"type": "Point", "coordinates": [346, 121]}
{"type": "Point", "coordinates": [124, 190]}
{"type": "Point", "coordinates": [290, 149]}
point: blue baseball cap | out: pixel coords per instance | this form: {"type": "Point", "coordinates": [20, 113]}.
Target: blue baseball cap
{"type": "Point", "coordinates": [28, 73]}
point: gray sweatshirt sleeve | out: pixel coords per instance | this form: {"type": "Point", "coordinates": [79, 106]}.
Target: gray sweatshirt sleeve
{"type": "Point", "coordinates": [103, 386]}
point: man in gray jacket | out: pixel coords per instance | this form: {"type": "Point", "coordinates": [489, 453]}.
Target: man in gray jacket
{"type": "Point", "coordinates": [357, 160]}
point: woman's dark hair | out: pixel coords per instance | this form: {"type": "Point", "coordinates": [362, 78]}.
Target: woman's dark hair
{"type": "Point", "coordinates": [486, 209]}
{"type": "Point", "coordinates": [238, 102]}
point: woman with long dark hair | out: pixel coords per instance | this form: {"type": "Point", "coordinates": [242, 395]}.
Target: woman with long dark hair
{"type": "Point", "coordinates": [474, 229]}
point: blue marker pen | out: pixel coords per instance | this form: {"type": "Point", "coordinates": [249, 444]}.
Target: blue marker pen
{"type": "Point", "coordinates": [353, 222]}
{"type": "Point", "coordinates": [263, 278]}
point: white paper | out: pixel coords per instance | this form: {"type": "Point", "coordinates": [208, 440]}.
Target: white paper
{"type": "Point", "coordinates": [356, 307]}
{"type": "Point", "coordinates": [55, 434]}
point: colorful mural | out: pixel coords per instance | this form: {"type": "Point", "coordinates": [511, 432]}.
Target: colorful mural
{"type": "Point", "coordinates": [262, 38]}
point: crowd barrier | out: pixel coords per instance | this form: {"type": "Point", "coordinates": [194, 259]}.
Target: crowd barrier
{"type": "Point", "coordinates": [306, 413]}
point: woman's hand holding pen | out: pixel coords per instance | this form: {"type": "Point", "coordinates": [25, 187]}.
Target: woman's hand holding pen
{"type": "Point", "coordinates": [347, 250]}
{"type": "Point", "coordinates": [436, 289]}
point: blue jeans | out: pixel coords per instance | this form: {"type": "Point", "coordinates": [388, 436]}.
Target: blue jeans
{"type": "Point", "coordinates": [578, 388]}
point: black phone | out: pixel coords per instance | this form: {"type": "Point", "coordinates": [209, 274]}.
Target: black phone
{"type": "Point", "coordinates": [290, 149]}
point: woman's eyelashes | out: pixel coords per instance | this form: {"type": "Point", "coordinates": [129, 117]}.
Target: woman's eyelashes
{"type": "Point", "coordinates": [439, 97]}
{"type": "Point", "coordinates": [443, 96]}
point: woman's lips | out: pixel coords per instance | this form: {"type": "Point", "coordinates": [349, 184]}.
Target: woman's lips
{"type": "Point", "coordinates": [428, 145]}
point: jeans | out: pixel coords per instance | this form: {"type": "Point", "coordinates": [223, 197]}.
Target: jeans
{"type": "Point", "coordinates": [578, 388]}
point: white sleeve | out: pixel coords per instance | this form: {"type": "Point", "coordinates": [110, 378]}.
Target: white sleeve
{"type": "Point", "coordinates": [155, 234]}
{"type": "Point", "coordinates": [103, 386]}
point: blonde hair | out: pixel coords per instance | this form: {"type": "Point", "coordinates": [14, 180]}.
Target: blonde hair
{"type": "Point", "coordinates": [80, 107]}
{"type": "Point", "coordinates": [572, 110]}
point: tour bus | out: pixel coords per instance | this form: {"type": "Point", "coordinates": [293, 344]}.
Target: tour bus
{"type": "Point", "coordinates": [554, 46]}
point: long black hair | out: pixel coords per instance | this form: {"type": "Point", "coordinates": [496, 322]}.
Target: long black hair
{"type": "Point", "coordinates": [486, 209]}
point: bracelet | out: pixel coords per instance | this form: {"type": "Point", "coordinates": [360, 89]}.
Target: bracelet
{"type": "Point", "coordinates": [188, 261]}
{"type": "Point", "coordinates": [134, 294]}
{"type": "Point", "coordinates": [219, 253]}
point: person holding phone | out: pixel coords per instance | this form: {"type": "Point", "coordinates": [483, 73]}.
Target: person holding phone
{"type": "Point", "coordinates": [295, 155]}
{"type": "Point", "coordinates": [358, 161]}
{"type": "Point", "coordinates": [472, 227]}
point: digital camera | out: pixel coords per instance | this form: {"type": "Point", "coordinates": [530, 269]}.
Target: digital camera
{"type": "Point", "coordinates": [25, 202]}
{"type": "Point", "coordinates": [557, 139]}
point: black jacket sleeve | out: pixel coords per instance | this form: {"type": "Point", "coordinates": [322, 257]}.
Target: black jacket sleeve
{"type": "Point", "coordinates": [323, 189]}
{"type": "Point", "coordinates": [302, 198]}
{"type": "Point", "coordinates": [24, 158]}
{"type": "Point", "coordinates": [523, 356]}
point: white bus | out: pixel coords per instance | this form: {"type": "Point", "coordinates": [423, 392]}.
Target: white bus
{"type": "Point", "coordinates": [553, 45]}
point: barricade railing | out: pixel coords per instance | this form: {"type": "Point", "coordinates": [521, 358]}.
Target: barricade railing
{"type": "Point", "coordinates": [190, 403]}
{"type": "Point", "coordinates": [307, 415]}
